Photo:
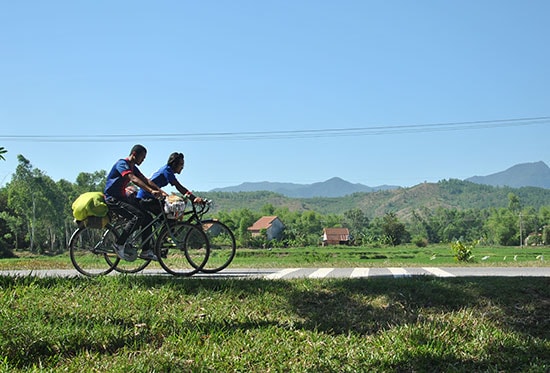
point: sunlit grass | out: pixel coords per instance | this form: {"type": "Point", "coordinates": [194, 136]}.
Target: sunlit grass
{"type": "Point", "coordinates": [146, 323]}
{"type": "Point", "coordinates": [338, 256]}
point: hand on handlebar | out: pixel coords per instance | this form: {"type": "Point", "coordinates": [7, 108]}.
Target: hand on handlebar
{"type": "Point", "coordinates": [199, 200]}
{"type": "Point", "coordinates": [159, 194]}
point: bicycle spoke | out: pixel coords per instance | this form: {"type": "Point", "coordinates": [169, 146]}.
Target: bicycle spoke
{"type": "Point", "coordinates": [90, 250]}
{"type": "Point", "coordinates": [185, 251]}
{"type": "Point", "coordinates": [222, 245]}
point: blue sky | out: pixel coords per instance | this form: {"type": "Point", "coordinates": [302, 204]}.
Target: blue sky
{"type": "Point", "coordinates": [91, 78]}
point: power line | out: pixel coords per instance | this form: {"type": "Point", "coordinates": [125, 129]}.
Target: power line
{"type": "Point", "coordinates": [290, 134]}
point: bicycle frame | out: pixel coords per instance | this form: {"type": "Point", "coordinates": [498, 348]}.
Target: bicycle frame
{"type": "Point", "coordinates": [136, 234]}
{"type": "Point", "coordinates": [195, 214]}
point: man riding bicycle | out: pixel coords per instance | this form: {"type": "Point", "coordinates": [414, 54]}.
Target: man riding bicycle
{"type": "Point", "coordinates": [125, 204]}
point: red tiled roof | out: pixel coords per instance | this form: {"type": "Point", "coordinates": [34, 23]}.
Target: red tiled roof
{"type": "Point", "coordinates": [262, 223]}
{"type": "Point", "coordinates": [336, 234]}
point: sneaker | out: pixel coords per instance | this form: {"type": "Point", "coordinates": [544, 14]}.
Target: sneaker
{"type": "Point", "coordinates": [148, 255]}
{"type": "Point", "coordinates": [125, 253]}
{"type": "Point", "coordinates": [119, 250]}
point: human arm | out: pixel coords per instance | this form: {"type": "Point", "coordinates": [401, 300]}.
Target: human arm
{"type": "Point", "coordinates": [186, 192]}
{"type": "Point", "coordinates": [147, 185]}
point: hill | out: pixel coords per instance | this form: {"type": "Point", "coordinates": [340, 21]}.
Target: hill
{"type": "Point", "coordinates": [334, 187]}
{"type": "Point", "coordinates": [536, 174]}
{"type": "Point", "coordinates": [402, 201]}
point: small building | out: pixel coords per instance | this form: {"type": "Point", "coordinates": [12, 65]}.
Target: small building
{"type": "Point", "coordinates": [336, 236]}
{"type": "Point", "coordinates": [272, 225]}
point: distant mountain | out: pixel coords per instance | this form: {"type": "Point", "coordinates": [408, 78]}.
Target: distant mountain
{"type": "Point", "coordinates": [404, 202]}
{"type": "Point", "coordinates": [335, 187]}
{"type": "Point", "coordinates": [535, 174]}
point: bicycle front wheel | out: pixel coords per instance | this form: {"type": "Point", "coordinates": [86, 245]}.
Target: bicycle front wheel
{"type": "Point", "coordinates": [182, 250]}
{"type": "Point", "coordinates": [91, 251]}
{"type": "Point", "coordinates": [222, 245]}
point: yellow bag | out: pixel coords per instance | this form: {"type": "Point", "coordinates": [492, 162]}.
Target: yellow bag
{"type": "Point", "coordinates": [89, 204]}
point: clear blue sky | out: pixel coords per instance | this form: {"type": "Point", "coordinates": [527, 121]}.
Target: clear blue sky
{"type": "Point", "coordinates": [201, 76]}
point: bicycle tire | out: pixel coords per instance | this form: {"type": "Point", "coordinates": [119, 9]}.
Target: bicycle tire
{"type": "Point", "coordinates": [135, 266]}
{"type": "Point", "coordinates": [90, 249]}
{"type": "Point", "coordinates": [183, 250]}
{"type": "Point", "coordinates": [222, 245]}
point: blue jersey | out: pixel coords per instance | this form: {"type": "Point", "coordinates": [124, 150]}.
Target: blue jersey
{"type": "Point", "coordinates": [164, 176]}
{"type": "Point", "coordinates": [117, 180]}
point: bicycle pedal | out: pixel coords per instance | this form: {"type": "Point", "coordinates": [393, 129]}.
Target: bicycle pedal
{"type": "Point", "coordinates": [130, 254]}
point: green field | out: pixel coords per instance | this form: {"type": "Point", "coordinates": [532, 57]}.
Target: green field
{"type": "Point", "coordinates": [339, 256]}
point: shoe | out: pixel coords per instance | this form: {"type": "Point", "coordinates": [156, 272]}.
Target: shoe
{"type": "Point", "coordinates": [148, 255]}
{"type": "Point", "coordinates": [119, 250]}
{"type": "Point", "coordinates": [125, 252]}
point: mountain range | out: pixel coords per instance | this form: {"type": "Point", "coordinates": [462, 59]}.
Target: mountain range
{"type": "Point", "coordinates": [535, 174]}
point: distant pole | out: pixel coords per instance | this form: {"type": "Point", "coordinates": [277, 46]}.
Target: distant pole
{"type": "Point", "coordinates": [520, 231]}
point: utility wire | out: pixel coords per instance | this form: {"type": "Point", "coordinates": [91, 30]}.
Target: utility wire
{"type": "Point", "coordinates": [290, 134]}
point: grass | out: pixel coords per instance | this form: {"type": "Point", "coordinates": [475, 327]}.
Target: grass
{"type": "Point", "coordinates": [139, 323]}
{"type": "Point", "coordinates": [337, 256]}
{"type": "Point", "coordinates": [145, 324]}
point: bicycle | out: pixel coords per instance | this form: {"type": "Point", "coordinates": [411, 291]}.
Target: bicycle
{"type": "Point", "coordinates": [221, 239]}
{"type": "Point", "coordinates": [182, 248]}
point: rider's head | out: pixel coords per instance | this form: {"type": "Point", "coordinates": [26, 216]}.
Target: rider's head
{"type": "Point", "coordinates": [138, 153]}
{"type": "Point", "coordinates": [175, 161]}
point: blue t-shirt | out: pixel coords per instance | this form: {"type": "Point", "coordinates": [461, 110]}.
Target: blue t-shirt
{"type": "Point", "coordinates": [164, 176]}
{"type": "Point", "coordinates": [116, 180]}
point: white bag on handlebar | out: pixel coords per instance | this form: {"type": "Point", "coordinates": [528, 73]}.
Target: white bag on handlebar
{"type": "Point", "coordinates": [174, 210]}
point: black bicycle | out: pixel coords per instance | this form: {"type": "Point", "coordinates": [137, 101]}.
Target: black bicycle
{"type": "Point", "coordinates": [182, 248]}
{"type": "Point", "coordinates": [221, 239]}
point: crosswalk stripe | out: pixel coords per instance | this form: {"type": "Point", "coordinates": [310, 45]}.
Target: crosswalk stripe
{"type": "Point", "coordinates": [438, 272]}
{"type": "Point", "coordinates": [282, 273]}
{"type": "Point", "coordinates": [359, 272]}
{"type": "Point", "coordinates": [398, 272]}
{"type": "Point", "coordinates": [321, 272]}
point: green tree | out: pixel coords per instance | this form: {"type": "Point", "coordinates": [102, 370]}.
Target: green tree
{"type": "Point", "coordinates": [502, 227]}
{"type": "Point", "coordinates": [2, 152]}
{"type": "Point", "coordinates": [91, 182]}
{"type": "Point", "coordinates": [394, 229]}
{"type": "Point", "coordinates": [37, 202]}
{"type": "Point", "coordinates": [514, 204]}
{"type": "Point", "coordinates": [356, 220]}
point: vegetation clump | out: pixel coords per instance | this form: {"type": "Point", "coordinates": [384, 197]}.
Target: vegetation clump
{"type": "Point", "coordinates": [463, 252]}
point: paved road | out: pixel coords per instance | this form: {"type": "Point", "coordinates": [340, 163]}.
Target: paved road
{"type": "Point", "coordinates": [289, 273]}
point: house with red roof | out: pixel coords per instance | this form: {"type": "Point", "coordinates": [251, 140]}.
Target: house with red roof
{"type": "Point", "coordinates": [336, 236]}
{"type": "Point", "coordinates": [272, 226]}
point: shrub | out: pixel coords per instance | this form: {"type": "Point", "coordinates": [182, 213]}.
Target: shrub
{"type": "Point", "coordinates": [462, 252]}
{"type": "Point", "coordinates": [420, 241]}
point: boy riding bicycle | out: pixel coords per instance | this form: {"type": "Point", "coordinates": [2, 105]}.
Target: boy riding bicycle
{"type": "Point", "coordinates": [119, 201]}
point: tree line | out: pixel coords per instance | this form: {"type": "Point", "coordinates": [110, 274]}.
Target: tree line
{"type": "Point", "coordinates": [35, 215]}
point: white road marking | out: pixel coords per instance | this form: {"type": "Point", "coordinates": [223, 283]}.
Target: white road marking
{"type": "Point", "coordinates": [321, 273]}
{"type": "Point", "coordinates": [438, 272]}
{"type": "Point", "coordinates": [282, 273]}
{"type": "Point", "coordinates": [360, 272]}
{"type": "Point", "coordinates": [398, 272]}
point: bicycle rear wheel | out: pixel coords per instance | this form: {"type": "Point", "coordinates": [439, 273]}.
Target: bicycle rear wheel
{"type": "Point", "coordinates": [222, 245]}
{"type": "Point", "coordinates": [91, 251]}
{"type": "Point", "coordinates": [183, 250]}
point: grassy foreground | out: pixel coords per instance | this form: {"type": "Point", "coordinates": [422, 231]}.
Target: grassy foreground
{"type": "Point", "coordinates": [145, 324]}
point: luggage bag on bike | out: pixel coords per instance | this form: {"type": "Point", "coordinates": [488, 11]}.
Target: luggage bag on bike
{"type": "Point", "coordinates": [91, 210]}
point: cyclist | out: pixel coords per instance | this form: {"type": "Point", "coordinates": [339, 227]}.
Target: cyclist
{"type": "Point", "coordinates": [164, 176]}
{"type": "Point", "coordinates": [125, 204]}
